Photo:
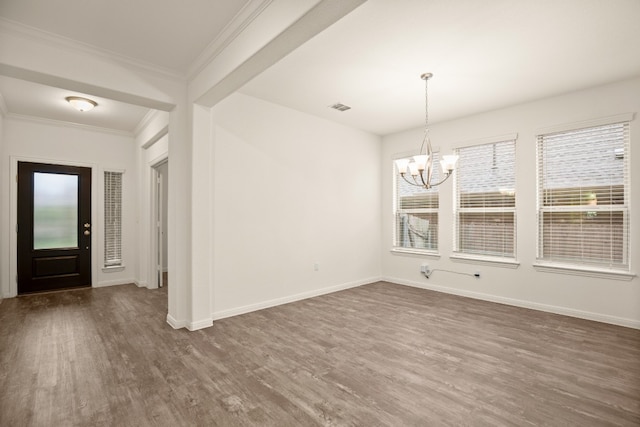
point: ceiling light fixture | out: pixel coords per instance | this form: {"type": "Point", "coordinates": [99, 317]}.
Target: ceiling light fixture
{"type": "Point", "coordinates": [421, 166]}
{"type": "Point", "coordinates": [81, 104]}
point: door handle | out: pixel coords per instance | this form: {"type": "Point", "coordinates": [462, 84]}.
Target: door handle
{"type": "Point", "coordinates": [87, 232]}
{"type": "Point", "coordinates": [87, 225]}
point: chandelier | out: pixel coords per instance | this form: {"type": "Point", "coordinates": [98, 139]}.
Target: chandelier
{"type": "Point", "coordinates": [420, 167]}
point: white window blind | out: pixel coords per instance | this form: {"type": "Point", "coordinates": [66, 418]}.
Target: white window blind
{"type": "Point", "coordinates": [583, 197]}
{"type": "Point", "coordinates": [485, 202]}
{"type": "Point", "coordinates": [112, 219]}
{"type": "Point", "coordinates": [416, 212]}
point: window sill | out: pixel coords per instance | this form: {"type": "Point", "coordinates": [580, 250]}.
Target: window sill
{"type": "Point", "coordinates": [412, 251]}
{"type": "Point", "coordinates": [113, 269]}
{"type": "Point", "coordinates": [495, 262]}
{"type": "Point", "coordinates": [584, 271]}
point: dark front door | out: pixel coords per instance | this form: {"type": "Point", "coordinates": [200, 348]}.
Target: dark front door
{"type": "Point", "coordinates": [54, 227]}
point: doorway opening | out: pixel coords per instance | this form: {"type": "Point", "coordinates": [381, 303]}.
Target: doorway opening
{"type": "Point", "coordinates": [160, 208]}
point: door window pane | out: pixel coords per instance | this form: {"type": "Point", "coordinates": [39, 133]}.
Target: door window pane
{"type": "Point", "coordinates": [55, 211]}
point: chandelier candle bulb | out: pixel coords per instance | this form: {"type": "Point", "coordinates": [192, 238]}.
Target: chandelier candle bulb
{"type": "Point", "coordinates": [421, 161]}
{"type": "Point", "coordinates": [402, 164]}
{"type": "Point", "coordinates": [448, 163]}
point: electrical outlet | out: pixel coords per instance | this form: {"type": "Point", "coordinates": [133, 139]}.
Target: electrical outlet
{"type": "Point", "coordinates": [424, 268]}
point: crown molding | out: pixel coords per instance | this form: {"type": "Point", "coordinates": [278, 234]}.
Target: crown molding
{"type": "Point", "coordinates": [233, 29]}
{"type": "Point", "coordinates": [57, 41]}
{"type": "Point", "coordinates": [144, 122]}
{"type": "Point", "coordinates": [61, 123]}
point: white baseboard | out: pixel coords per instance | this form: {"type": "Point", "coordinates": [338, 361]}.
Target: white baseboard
{"type": "Point", "coordinates": [291, 298]}
{"type": "Point", "coordinates": [200, 324]}
{"type": "Point", "coordinates": [141, 283]}
{"type": "Point", "coordinates": [598, 317]}
{"type": "Point", "coordinates": [192, 326]}
{"type": "Point", "coordinates": [175, 324]}
{"type": "Point", "coordinates": [105, 283]}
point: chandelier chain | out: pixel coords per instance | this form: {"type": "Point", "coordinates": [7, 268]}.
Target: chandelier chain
{"type": "Point", "coordinates": [425, 138]}
{"type": "Point", "coordinates": [426, 104]}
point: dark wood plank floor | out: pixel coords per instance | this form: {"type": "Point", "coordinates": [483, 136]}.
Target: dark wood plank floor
{"type": "Point", "coordinates": [377, 355]}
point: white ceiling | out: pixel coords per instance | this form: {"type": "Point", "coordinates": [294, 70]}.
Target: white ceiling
{"type": "Point", "coordinates": [484, 54]}
{"type": "Point", "coordinates": [35, 100]}
{"type": "Point", "coordinates": [167, 33]}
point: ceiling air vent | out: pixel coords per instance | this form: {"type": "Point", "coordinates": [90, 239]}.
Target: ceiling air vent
{"type": "Point", "coordinates": [340, 107]}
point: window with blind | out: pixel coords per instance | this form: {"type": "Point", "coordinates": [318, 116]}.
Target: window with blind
{"type": "Point", "coordinates": [416, 213]}
{"type": "Point", "coordinates": [112, 219]}
{"type": "Point", "coordinates": [583, 197]}
{"type": "Point", "coordinates": [485, 202]}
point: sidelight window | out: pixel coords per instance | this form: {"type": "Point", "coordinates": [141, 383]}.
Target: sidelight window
{"type": "Point", "coordinates": [112, 219]}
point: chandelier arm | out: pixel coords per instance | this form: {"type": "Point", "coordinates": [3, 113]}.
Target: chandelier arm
{"type": "Point", "coordinates": [425, 139]}
{"type": "Point", "coordinates": [424, 183]}
{"type": "Point", "coordinates": [409, 182]}
{"type": "Point", "coordinates": [446, 176]}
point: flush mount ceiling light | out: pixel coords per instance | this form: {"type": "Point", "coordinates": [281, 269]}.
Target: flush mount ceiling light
{"type": "Point", "coordinates": [81, 104]}
{"type": "Point", "coordinates": [421, 166]}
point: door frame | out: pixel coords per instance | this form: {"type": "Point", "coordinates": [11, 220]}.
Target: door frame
{"type": "Point", "coordinates": [13, 216]}
{"type": "Point", "coordinates": [157, 209]}
{"type": "Point", "coordinates": [154, 245]}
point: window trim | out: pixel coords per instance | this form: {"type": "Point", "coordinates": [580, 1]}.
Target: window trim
{"type": "Point", "coordinates": [582, 269]}
{"type": "Point", "coordinates": [600, 273]}
{"type": "Point", "coordinates": [435, 253]}
{"type": "Point", "coordinates": [485, 260]}
{"type": "Point", "coordinates": [508, 261]}
{"type": "Point", "coordinates": [567, 127]}
{"type": "Point", "coordinates": [415, 251]}
{"type": "Point", "coordinates": [111, 268]}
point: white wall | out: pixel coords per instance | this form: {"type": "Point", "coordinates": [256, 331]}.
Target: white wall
{"type": "Point", "coordinates": [152, 147]}
{"type": "Point", "coordinates": [4, 188]}
{"type": "Point", "coordinates": [225, 66]}
{"type": "Point", "coordinates": [287, 194]}
{"type": "Point", "coordinates": [615, 301]}
{"type": "Point", "coordinates": [46, 141]}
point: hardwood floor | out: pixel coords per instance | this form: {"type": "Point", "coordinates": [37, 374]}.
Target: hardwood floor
{"type": "Point", "coordinates": [377, 355]}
